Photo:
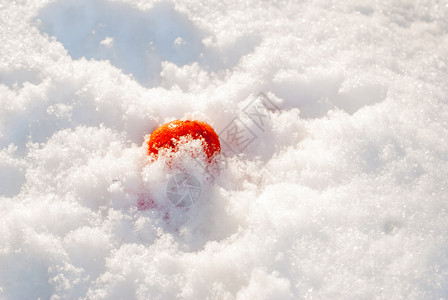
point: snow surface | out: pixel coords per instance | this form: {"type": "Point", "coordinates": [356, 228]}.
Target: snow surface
{"type": "Point", "coordinates": [337, 190]}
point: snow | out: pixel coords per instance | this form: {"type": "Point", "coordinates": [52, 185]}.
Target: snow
{"type": "Point", "coordinates": [335, 186]}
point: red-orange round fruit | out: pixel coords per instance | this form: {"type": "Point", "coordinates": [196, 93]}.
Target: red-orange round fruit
{"type": "Point", "coordinates": [166, 136]}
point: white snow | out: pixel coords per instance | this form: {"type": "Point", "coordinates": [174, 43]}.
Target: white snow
{"type": "Point", "coordinates": [337, 187]}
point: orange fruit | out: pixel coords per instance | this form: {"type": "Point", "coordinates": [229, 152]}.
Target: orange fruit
{"type": "Point", "coordinates": [168, 135]}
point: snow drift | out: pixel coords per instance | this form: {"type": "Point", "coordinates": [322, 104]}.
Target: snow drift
{"type": "Point", "coordinates": [333, 183]}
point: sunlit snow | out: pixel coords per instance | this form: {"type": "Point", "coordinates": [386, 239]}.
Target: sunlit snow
{"type": "Point", "coordinates": [332, 182]}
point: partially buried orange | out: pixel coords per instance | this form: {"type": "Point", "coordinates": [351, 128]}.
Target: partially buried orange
{"type": "Point", "coordinates": [168, 135]}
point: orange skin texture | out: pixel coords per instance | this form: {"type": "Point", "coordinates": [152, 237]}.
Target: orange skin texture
{"type": "Point", "coordinates": [166, 136]}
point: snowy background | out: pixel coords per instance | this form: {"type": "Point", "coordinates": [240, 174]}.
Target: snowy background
{"type": "Point", "coordinates": [341, 190]}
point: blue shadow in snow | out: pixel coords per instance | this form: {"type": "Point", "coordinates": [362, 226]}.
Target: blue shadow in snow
{"type": "Point", "coordinates": [133, 40]}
